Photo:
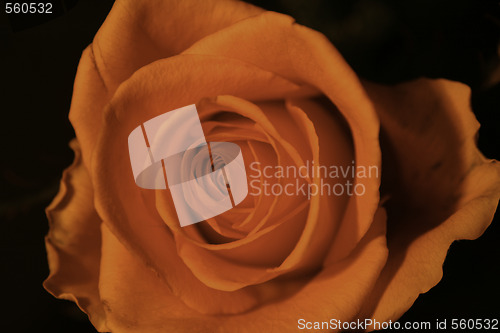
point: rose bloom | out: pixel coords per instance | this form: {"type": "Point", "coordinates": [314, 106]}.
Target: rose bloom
{"type": "Point", "coordinates": [285, 95]}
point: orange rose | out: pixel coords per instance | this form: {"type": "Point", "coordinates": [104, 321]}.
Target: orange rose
{"type": "Point", "coordinates": [284, 94]}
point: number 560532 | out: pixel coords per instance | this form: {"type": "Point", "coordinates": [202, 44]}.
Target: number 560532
{"type": "Point", "coordinates": [28, 8]}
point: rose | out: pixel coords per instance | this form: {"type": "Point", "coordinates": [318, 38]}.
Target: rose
{"type": "Point", "coordinates": [117, 250]}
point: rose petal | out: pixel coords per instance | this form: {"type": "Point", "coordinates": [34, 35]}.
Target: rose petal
{"type": "Point", "coordinates": [135, 297]}
{"type": "Point", "coordinates": [74, 243]}
{"type": "Point", "coordinates": [137, 300]}
{"type": "Point", "coordinates": [444, 189]}
{"type": "Point", "coordinates": [159, 29]}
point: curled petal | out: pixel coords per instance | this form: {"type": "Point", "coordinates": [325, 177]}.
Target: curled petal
{"type": "Point", "coordinates": [74, 243]}
{"type": "Point", "coordinates": [442, 189]}
{"type": "Point", "coordinates": [137, 299]}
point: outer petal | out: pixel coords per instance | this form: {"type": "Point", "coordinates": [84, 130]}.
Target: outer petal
{"type": "Point", "coordinates": [135, 34]}
{"type": "Point", "coordinates": [137, 300]}
{"type": "Point", "coordinates": [442, 188]}
{"type": "Point", "coordinates": [74, 243]}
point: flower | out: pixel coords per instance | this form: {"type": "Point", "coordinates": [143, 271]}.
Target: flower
{"type": "Point", "coordinates": [286, 96]}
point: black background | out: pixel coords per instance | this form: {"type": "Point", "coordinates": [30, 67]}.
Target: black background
{"type": "Point", "coordinates": [384, 41]}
